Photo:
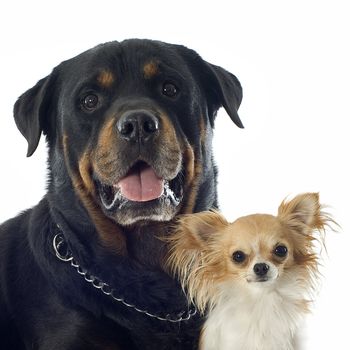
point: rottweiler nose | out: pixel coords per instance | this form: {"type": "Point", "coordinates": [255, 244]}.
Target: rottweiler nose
{"type": "Point", "coordinates": [261, 269]}
{"type": "Point", "coordinates": [139, 125]}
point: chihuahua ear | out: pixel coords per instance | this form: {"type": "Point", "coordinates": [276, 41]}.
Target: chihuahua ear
{"type": "Point", "coordinates": [303, 213]}
{"type": "Point", "coordinates": [187, 244]}
{"type": "Point", "coordinates": [200, 227]}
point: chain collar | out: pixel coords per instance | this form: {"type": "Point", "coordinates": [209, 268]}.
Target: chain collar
{"type": "Point", "coordinates": [64, 254]}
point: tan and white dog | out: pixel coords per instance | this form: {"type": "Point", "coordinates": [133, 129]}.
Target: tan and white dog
{"type": "Point", "coordinates": [252, 277]}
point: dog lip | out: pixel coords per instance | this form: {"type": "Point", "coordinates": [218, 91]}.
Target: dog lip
{"type": "Point", "coordinates": [263, 279]}
{"type": "Point", "coordinates": [258, 280]}
{"type": "Point", "coordinates": [112, 199]}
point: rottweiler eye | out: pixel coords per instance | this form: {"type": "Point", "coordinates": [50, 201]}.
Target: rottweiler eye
{"type": "Point", "coordinates": [170, 89]}
{"type": "Point", "coordinates": [238, 257]}
{"type": "Point", "coordinates": [280, 251]}
{"type": "Point", "coordinates": [90, 102]}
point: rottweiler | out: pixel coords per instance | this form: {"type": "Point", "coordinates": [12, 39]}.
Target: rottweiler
{"type": "Point", "coordinates": [129, 130]}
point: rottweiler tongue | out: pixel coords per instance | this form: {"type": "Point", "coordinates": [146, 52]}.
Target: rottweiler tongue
{"type": "Point", "coordinates": [141, 185]}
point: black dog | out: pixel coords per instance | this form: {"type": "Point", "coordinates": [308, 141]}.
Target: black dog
{"type": "Point", "coordinates": [129, 129]}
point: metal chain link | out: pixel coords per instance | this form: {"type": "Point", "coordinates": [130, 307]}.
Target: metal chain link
{"type": "Point", "coordinates": [59, 244]}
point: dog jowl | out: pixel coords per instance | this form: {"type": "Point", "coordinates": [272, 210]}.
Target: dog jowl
{"type": "Point", "coordinates": [129, 130]}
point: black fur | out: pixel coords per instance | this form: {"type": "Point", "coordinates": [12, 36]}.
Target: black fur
{"type": "Point", "coordinates": [44, 302]}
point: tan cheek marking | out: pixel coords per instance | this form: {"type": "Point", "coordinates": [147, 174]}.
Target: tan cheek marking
{"type": "Point", "coordinates": [110, 234]}
{"type": "Point", "coordinates": [102, 164]}
{"type": "Point", "coordinates": [106, 79]}
{"type": "Point", "coordinates": [65, 144]}
{"type": "Point", "coordinates": [203, 131]}
{"type": "Point", "coordinates": [193, 174]}
{"type": "Point", "coordinates": [150, 69]}
{"type": "Point", "coordinates": [195, 185]}
{"type": "Point", "coordinates": [108, 231]}
{"type": "Point", "coordinates": [193, 167]}
{"type": "Point", "coordinates": [106, 136]}
{"type": "Point", "coordinates": [168, 131]}
{"type": "Point", "coordinates": [85, 173]}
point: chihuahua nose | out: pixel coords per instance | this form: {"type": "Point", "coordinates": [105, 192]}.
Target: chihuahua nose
{"type": "Point", "coordinates": [261, 269]}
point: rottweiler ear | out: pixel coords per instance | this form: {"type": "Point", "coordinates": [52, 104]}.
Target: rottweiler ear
{"type": "Point", "coordinates": [228, 92]}
{"type": "Point", "coordinates": [29, 112]}
{"type": "Point", "coordinates": [221, 87]}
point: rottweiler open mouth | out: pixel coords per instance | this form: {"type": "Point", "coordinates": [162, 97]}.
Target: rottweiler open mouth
{"type": "Point", "coordinates": [143, 192]}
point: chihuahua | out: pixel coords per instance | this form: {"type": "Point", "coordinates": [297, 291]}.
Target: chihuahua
{"type": "Point", "coordinates": [253, 277]}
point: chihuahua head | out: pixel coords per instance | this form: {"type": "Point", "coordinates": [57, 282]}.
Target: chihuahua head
{"type": "Point", "coordinates": [211, 255]}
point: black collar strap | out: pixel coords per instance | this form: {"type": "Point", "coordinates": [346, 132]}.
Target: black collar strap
{"type": "Point", "coordinates": [63, 253]}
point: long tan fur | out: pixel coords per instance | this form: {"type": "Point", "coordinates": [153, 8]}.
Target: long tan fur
{"type": "Point", "coordinates": [191, 256]}
{"type": "Point", "coordinates": [199, 250]}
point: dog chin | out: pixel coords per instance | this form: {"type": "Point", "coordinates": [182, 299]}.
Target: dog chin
{"type": "Point", "coordinates": [126, 219]}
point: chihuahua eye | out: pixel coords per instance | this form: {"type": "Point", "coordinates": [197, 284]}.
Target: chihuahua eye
{"type": "Point", "coordinates": [281, 251]}
{"type": "Point", "coordinates": [238, 257]}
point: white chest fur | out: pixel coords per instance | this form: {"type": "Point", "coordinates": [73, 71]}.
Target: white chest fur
{"type": "Point", "coordinates": [261, 319]}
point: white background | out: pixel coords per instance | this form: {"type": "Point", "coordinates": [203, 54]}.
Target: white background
{"type": "Point", "coordinates": [292, 58]}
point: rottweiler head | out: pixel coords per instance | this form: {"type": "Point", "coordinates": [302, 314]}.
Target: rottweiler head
{"type": "Point", "coordinates": [130, 124]}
